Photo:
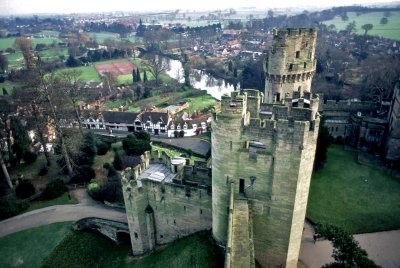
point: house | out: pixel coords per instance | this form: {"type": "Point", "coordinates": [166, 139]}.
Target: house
{"type": "Point", "coordinates": [155, 122]}
{"type": "Point", "coordinates": [120, 121]}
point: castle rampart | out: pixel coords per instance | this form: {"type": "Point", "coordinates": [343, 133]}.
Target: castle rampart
{"type": "Point", "coordinates": [161, 207]}
{"type": "Point", "coordinates": [269, 157]}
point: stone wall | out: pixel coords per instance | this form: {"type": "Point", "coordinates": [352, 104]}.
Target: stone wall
{"type": "Point", "coordinates": [290, 65]}
{"type": "Point", "coordinates": [270, 161]}
{"type": "Point", "coordinates": [161, 212]}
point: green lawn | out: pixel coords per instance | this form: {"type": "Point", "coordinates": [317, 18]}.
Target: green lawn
{"type": "Point", "coordinates": [15, 60]}
{"type": "Point", "coordinates": [358, 198]}
{"type": "Point", "coordinates": [6, 43]}
{"type": "Point", "coordinates": [61, 200]}
{"type": "Point", "coordinates": [30, 247]}
{"type": "Point", "coordinates": [390, 30]}
{"type": "Point", "coordinates": [174, 152]}
{"type": "Point", "coordinates": [53, 53]}
{"type": "Point", "coordinates": [100, 37]}
{"type": "Point", "coordinates": [9, 42]}
{"type": "Point", "coordinates": [82, 249]}
{"type": "Point", "coordinates": [89, 73]}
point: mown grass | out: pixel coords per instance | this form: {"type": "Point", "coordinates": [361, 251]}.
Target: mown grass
{"type": "Point", "coordinates": [30, 247]}
{"type": "Point", "coordinates": [100, 37]}
{"type": "Point", "coordinates": [93, 250]}
{"type": "Point", "coordinates": [53, 54]}
{"type": "Point", "coordinates": [174, 153]}
{"type": "Point", "coordinates": [359, 198]}
{"type": "Point", "coordinates": [390, 30]}
{"type": "Point", "coordinates": [61, 200]}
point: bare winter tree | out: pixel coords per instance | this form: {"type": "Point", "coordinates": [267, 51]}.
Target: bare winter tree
{"type": "Point", "coordinates": [157, 67]}
{"type": "Point", "coordinates": [25, 46]}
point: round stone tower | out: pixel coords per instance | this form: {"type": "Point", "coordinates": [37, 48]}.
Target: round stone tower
{"type": "Point", "coordinates": [290, 64]}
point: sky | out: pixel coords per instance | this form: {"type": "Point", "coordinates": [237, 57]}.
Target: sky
{"type": "Point", "coordinates": [14, 7]}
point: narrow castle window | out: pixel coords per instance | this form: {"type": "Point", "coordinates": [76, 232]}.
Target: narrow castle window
{"type": "Point", "coordinates": [278, 96]}
{"type": "Point", "coordinates": [230, 145]}
{"type": "Point", "coordinates": [184, 208]}
{"type": "Point", "coordinates": [299, 89]}
{"type": "Point", "coordinates": [201, 211]}
{"type": "Point", "coordinates": [241, 186]}
{"type": "Point", "coordinates": [136, 235]}
{"type": "Point", "coordinates": [297, 54]}
{"type": "Point", "coordinates": [305, 65]}
{"type": "Point", "coordinates": [174, 222]}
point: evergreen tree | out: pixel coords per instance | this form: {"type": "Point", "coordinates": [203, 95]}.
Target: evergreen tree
{"type": "Point", "coordinates": [144, 76]}
{"type": "Point", "coordinates": [21, 143]}
{"type": "Point", "coordinates": [134, 76]}
{"type": "Point", "coordinates": [138, 75]}
{"type": "Point", "coordinates": [138, 92]}
{"type": "Point", "coordinates": [5, 92]}
{"type": "Point", "coordinates": [118, 161]}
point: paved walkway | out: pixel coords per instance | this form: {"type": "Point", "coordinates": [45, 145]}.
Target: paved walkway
{"type": "Point", "coordinates": [382, 247]}
{"type": "Point", "coordinates": [60, 213]}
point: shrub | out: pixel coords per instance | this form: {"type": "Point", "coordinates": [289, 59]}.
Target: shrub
{"type": "Point", "coordinates": [54, 189]}
{"type": "Point", "coordinates": [43, 170]}
{"type": "Point", "coordinates": [30, 157]}
{"type": "Point", "coordinates": [102, 148]}
{"type": "Point", "coordinates": [94, 190]}
{"type": "Point", "coordinates": [181, 133]}
{"type": "Point", "coordinates": [85, 174]}
{"type": "Point", "coordinates": [134, 146]}
{"type": "Point", "coordinates": [117, 163]}
{"type": "Point", "coordinates": [25, 189]}
{"type": "Point", "coordinates": [106, 165]}
{"type": "Point", "coordinates": [10, 207]}
{"type": "Point", "coordinates": [143, 135]}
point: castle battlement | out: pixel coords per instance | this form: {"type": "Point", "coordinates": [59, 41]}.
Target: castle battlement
{"type": "Point", "coordinates": [293, 32]}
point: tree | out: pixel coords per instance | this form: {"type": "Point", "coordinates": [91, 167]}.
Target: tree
{"type": "Point", "coordinates": [109, 80]}
{"type": "Point", "coordinates": [134, 80]}
{"type": "Point", "coordinates": [72, 62]}
{"type": "Point", "coordinates": [157, 66]}
{"type": "Point", "coordinates": [384, 21]}
{"type": "Point", "coordinates": [347, 252]}
{"type": "Point", "coordinates": [5, 92]}
{"type": "Point", "coordinates": [351, 27]}
{"type": "Point", "coordinates": [344, 16]}
{"type": "Point", "coordinates": [142, 135]}
{"type": "Point", "coordinates": [135, 147]}
{"type": "Point", "coordinates": [138, 78]}
{"type": "Point", "coordinates": [138, 92]}
{"type": "Point", "coordinates": [21, 143]}
{"type": "Point", "coordinates": [3, 63]}
{"type": "Point", "coordinates": [117, 163]}
{"type": "Point", "coordinates": [367, 27]}
{"type": "Point", "coordinates": [25, 46]}
{"type": "Point", "coordinates": [144, 76]}
{"type": "Point", "coordinates": [71, 84]}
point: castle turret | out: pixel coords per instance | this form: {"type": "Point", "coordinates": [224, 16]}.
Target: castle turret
{"type": "Point", "coordinates": [267, 151]}
{"type": "Point", "coordinates": [290, 64]}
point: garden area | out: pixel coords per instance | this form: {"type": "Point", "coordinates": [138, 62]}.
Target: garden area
{"type": "Point", "coordinates": [358, 198]}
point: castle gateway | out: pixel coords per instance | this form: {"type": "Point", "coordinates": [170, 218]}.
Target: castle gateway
{"type": "Point", "coordinates": [263, 148]}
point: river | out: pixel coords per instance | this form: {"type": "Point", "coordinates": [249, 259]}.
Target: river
{"type": "Point", "coordinates": [199, 79]}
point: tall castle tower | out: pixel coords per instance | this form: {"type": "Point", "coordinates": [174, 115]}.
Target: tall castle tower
{"type": "Point", "coordinates": [290, 64]}
{"type": "Point", "coordinates": [266, 150]}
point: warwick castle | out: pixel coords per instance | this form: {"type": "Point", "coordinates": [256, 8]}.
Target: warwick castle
{"type": "Point", "coordinates": [253, 193]}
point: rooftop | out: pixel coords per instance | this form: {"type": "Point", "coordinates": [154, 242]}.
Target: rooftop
{"type": "Point", "coordinates": [158, 173]}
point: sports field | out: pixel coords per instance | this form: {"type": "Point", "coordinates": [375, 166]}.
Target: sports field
{"type": "Point", "coordinates": [390, 30]}
{"type": "Point", "coordinates": [116, 68]}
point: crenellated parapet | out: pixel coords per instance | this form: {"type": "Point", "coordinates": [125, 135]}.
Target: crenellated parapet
{"type": "Point", "coordinates": [290, 65]}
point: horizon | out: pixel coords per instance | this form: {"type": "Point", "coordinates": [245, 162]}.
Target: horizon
{"type": "Point", "coordinates": [29, 7]}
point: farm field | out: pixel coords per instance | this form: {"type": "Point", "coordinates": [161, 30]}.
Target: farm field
{"type": "Point", "coordinates": [53, 53]}
{"type": "Point", "coordinates": [390, 30]}
{"type": "Point", "coordinates": [15, 60]}
{"type": "Point", "coordinates": [100, 37]}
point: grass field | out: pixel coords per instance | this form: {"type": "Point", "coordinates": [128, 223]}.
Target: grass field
{"type": "Point", "coordinates": [93, 250]}
{"type": "Point", "coordinates": [390, 30]}
{"type": "Point", "coordinates": [53, 53]}
{"type": "Point", "coordinates": [9, 42]}
{"type": "Point", "coordinates": [9, 86]}
{"type": "Point", "coordinates": [359, 198]}
{"type": "Point", "coordinates": [100, 37]}
{"type": "Point", "coordinates": [174, 153]}
{"type": "Point", "coordinates": [15, 60]}
{"type": "Point", "coordinates": [61, 200]}
{"type": "Point", "coordinates": [30, 247]}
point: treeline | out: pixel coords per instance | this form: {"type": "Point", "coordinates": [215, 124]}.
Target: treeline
{"type": "Point", "coordinates": [115, 27]}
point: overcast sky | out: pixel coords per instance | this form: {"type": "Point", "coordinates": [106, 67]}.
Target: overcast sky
{"type": "Point", "coordinates": [13, 7]}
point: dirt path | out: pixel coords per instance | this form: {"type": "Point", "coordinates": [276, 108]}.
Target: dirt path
{"type": "Point", "coordinates": [382, 247]}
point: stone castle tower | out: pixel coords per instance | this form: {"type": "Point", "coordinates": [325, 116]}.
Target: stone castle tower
{"type": "Point", "coordinates": [254, 197]}
{"type": "Point", "coordinates": [263, 155]}
{"type": "Point", "coordinates": [290, 64]}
